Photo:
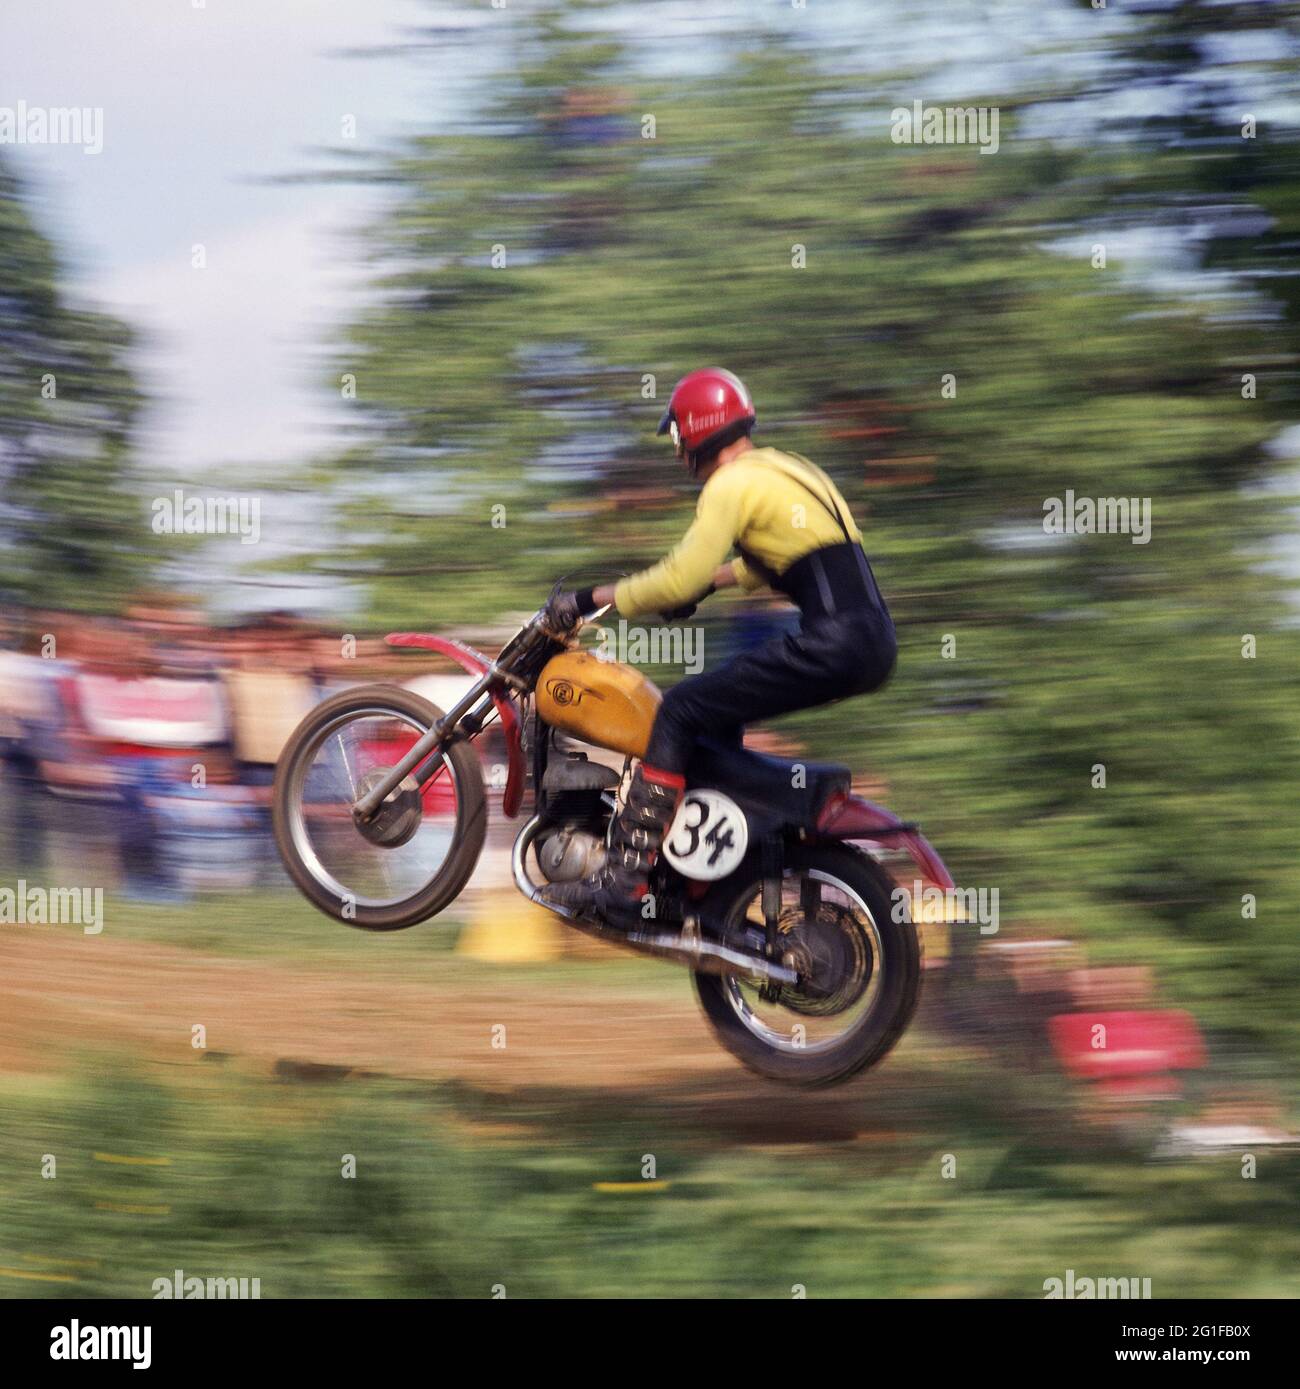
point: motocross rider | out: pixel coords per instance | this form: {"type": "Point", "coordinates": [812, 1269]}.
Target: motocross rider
{"type": "Point", "coordinates": [791, 530]}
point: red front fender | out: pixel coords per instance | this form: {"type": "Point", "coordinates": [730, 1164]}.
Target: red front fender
{"type": "Point", "coordinates": [850, 817]}
{"type": "Point", "coordinates": [469, 659]}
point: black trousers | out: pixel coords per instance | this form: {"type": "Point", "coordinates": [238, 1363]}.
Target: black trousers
{"type": "Point", "coordinates": [830, 657]}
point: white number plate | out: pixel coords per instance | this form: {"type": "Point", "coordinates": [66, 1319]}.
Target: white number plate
{"type": "Point", "coordinates": [708, 836]}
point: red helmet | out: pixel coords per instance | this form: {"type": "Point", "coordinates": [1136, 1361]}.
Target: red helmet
{"type": "Point", "coordinates": [707, 410]}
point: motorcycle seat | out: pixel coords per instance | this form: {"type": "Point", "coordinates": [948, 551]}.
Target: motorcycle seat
{"type": "Point", "coordinates": [789, 790]}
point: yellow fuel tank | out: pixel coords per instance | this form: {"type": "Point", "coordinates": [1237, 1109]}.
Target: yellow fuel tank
{"type": "Point", "coordinates": [601, 702]}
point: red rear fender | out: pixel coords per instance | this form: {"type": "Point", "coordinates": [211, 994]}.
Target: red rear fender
{"type": "Point", "coordinates": [850, 817]}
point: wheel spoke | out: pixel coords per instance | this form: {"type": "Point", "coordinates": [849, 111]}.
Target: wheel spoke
{"type": "Point", "coordinates": [348, 754]}
{"type": "Point", "coordinates": [831, 937]}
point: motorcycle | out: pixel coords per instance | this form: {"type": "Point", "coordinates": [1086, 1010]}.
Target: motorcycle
{"type": "Point", "coordinates": [803, 962]}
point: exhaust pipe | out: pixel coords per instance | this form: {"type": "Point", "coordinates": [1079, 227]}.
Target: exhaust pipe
{"type": "Point", "coordinates": [686, 947]}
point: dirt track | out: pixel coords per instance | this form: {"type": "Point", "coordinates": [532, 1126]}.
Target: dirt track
{"type": "Point", "coordinates": [60, 992]}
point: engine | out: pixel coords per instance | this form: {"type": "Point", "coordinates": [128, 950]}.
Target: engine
{"type": "Point", "coordinates": [567, 853]}
{"type": "Point", "coordinates": [575, 804]}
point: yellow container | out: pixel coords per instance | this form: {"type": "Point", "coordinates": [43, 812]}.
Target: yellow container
{"type": "Point", "coordinates": [601, 702]}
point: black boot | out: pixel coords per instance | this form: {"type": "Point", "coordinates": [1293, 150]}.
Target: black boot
{"type": "Point", "coordinates": [617, 894]}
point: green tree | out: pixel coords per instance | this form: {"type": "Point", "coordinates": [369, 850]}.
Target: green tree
{"type": "Point", "coordinates": [900, 317]}
{"type": "Point", "coordinates": [72, 532]}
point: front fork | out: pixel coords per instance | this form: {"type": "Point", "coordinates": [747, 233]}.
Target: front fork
{"type": "Point", "coordinates": [470, 710]}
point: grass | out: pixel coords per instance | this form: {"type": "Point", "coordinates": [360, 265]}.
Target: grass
{"type": "Point", "coordinates": [457, 1191]}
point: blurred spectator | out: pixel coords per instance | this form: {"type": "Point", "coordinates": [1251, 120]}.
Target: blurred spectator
{"type": "Point", "coordinates": [154, 737]}
{"type": "Point", "coordinates": [591, 116]}
{"type": "Point", "coordinates": [266, 669]}
{"type": "Point", "coordinates": [29, 714]}
{"type": "Point", "coordinates": [148, 712]}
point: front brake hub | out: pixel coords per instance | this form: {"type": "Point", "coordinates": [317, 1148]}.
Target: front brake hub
{"type": "Point", "coordinates": [396, 820]}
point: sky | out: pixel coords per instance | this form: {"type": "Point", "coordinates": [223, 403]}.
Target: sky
{"type": "Point", "coordinates": [203, 105]}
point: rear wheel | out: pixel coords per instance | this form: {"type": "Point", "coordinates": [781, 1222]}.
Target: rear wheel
{"type": "Point", "coordinates": [419, 852]}
{"type": "Point", "coordinates": [860, 971]}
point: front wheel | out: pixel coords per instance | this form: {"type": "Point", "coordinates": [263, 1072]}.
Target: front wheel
{"type": "Point", "coordinates": [860, 970]}
{"type": "Point", "coordinates": [417, 854]}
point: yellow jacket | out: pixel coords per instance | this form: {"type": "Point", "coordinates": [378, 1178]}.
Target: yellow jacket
{"type": "Point", "coordinates": [777, 506]}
